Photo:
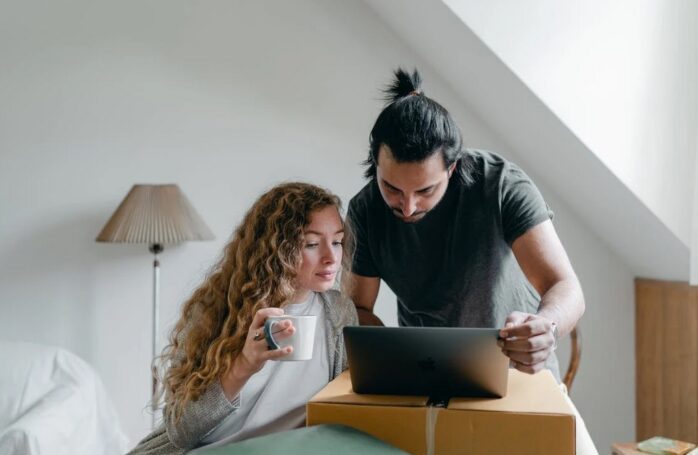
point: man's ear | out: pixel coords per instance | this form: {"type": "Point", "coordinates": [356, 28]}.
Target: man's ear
{"type": "Point", "coordinates": [451, 168]}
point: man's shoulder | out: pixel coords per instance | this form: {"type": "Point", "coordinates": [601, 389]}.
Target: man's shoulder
{"type": "Point", "coordinates": [483, 158]}
{"type": "Point", "coordinates": [490, 166]}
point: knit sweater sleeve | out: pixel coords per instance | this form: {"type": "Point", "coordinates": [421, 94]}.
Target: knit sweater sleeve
{"type": "Point", "coordinates": [341, 312]}
{"type": "Point", "coordinates": [200, 417]}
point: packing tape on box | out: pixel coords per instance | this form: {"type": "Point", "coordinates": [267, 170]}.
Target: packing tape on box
{"type": "Point", "coordinates": [432, 415]}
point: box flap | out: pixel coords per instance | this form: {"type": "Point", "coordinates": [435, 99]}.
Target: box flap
{"type": "Point", "coordinates": [340, 391]}
{"type": "Point", "coordinates": [538, 394]}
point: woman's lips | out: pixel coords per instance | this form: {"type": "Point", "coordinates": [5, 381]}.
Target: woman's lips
{"type": "Point", "coordinates": [329, 275]}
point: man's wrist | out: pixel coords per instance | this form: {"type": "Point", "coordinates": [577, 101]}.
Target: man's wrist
{"type": "Point", "coordinates": [555, 329]}
{"type": "Point", "coordinates": [555, 334]}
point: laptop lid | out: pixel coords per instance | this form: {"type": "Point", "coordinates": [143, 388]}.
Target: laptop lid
{"type": "Point", "coordinates": [438, 362]}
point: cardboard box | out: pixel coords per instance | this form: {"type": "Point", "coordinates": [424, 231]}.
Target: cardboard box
{"type": "Point", "coordinates": [533, 418]}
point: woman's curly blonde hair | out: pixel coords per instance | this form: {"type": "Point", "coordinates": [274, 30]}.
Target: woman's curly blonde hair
{"type": "Point", "coordinates": [257, 270]}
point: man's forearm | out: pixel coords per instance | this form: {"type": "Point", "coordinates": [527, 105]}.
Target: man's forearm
{"type": "Point", "coordinates": [367, 317]}
{"type": "Point", "coordinates": [563, 304]}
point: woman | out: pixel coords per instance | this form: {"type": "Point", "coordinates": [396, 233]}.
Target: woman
{"type": "Point", "coordinates": [222, 384]}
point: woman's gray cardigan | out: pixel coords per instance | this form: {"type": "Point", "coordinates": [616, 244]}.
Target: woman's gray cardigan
{"type": "Point", "coordinates": [202, 416]}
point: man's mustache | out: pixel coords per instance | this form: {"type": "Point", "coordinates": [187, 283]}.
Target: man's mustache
{"type": "Point", "coordinates": [415, 215]}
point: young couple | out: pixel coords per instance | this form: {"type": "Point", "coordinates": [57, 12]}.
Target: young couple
{"type": "Point", "coordinates": [463, 237]}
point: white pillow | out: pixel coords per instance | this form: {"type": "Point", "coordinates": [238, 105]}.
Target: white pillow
{"type": "Point", "coordinates": [52, 402]}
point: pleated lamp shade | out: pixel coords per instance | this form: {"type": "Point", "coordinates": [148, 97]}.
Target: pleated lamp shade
{"type": "Point", "coordinates": [155, 214]}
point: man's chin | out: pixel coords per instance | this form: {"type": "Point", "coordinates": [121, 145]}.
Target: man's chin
{"type": "Point", "coordinates": [409, 219]}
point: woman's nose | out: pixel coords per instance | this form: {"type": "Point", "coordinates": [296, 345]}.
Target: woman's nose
{"type": "Point", "coordinates": [329, 255]}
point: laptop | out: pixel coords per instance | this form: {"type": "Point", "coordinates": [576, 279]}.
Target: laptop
{"type": "Point", "coordinates": [438, 362]}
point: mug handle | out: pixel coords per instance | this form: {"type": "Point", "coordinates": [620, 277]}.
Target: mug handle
{"type": "Point", "coordinates": [268, 334]}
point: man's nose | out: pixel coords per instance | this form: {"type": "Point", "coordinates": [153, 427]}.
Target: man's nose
{"type": "Point", "coordinates": [409, 206]}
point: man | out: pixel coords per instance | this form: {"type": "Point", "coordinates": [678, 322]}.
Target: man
{"type": "Point", "coordinates": [462, 237]}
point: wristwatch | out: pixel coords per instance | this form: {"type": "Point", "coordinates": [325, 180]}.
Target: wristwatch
{"type": "Point", "coordinates": [554, 334]}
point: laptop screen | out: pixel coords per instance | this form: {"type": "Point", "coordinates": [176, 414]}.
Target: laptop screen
{"type": "Point", "coordinates": [428, 361]}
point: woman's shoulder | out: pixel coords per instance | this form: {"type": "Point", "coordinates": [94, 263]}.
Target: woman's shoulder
{"type": "Point", "coordinates": [340, 307]}
{"type": "Point", "coordinates": [333, 295]}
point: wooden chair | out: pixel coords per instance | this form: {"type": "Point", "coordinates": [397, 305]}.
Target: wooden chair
{"type": "Point", "coordinates": [575, 357]}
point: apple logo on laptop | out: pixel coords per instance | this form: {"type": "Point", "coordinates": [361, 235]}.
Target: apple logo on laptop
{"type": "Point", "coordinates": [427, 365]}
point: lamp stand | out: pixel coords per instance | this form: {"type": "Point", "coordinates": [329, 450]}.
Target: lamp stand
{"type": "Point", "coordinates": [155, 248]}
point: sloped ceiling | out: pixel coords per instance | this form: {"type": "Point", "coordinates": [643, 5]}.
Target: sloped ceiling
{"type": "Point", "coordinates": [544, 144]}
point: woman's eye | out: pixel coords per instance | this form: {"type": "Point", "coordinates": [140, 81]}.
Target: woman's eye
{"type": "Point", "coordinates": [311, 245]}
{"type": "Point", "coordinates": [338, 243]}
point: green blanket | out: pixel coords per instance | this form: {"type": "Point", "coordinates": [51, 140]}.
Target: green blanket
{"type": "Point", "coordinates": [320, 439]}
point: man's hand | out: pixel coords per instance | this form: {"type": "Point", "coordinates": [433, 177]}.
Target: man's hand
{"type": "Point", "coordinates": [367, 317]}
{"type": "Point", "coordinates": [363, 291]}
{"type": "Point", "coordinates": [528, 340]}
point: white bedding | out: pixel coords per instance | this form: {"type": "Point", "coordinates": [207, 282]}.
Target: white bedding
{"type": "Point", "coordinates": [52, 402]}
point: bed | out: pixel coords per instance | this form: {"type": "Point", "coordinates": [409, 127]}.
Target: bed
{"type": "Point", "coordinates": [52, 402]}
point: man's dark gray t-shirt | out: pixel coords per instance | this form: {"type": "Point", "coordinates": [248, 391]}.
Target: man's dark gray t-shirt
{"type": "Point", "coordinates": [454, 267]}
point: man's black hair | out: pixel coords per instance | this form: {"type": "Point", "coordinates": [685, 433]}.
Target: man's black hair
{"type": "Point", "coordinates": [415, 127]}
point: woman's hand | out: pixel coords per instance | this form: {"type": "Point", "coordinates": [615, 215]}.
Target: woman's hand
{"type": "Point", "coordinates": [255, 352]}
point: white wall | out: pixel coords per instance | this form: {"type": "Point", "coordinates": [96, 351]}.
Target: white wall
{"type": "Point", "coordinates": [621, 75]}
{"type": "Point", "coordinates": [694, 240]}
{"type": "Point", "coordinates": [225, 99]}
{"type": "Point", "coordinates": [604, 389]}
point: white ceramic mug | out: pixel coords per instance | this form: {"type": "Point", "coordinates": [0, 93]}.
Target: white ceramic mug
{"type": "Point", "coordinates": [302, 339]}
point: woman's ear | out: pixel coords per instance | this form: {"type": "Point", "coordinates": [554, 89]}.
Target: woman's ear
{"type": "Point", "coordinates": [451, 168]}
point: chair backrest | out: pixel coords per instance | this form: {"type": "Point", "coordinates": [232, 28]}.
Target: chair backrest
{"type": "Point", "coordinates": [575, 357]}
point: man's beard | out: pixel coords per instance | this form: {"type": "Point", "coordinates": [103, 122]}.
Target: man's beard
{"type": "Point", "coordinates": [410, 219]}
